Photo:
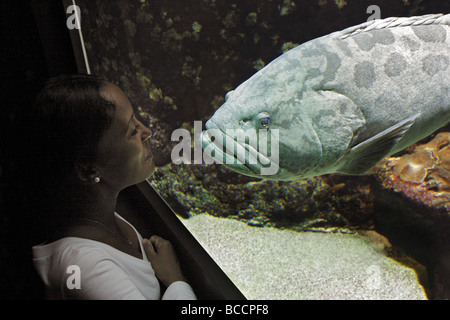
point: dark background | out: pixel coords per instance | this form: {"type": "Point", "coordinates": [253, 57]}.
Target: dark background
{"type": "Point", "coordinates": [35, 46]}
{"type": "Point", "coordinates": [33, 49]}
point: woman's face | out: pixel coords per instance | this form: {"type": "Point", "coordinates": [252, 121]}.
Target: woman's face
{"type": "Point", "coordinates": [125, 158]}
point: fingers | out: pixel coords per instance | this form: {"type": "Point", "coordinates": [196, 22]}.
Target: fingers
{"type": "Point", "coordinates": [148, 247]}
{"type": "Point", "coordinates": [155, 239]}
{"type": "Point", "coordinates": [155, 243]}
{"type": "Point", "coordinates": [163, 259]}
{"type": "Point", "coordinates": [159, 242]}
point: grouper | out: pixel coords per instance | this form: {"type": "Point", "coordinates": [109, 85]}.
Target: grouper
{"type": "Point", "coordinates": [339, 103]}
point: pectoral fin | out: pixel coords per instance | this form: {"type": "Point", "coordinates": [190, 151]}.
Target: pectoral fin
{"type": "Point", "coordinates": [368, 153]}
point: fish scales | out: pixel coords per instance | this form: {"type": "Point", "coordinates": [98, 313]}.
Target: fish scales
{"type": "Point", "coordinates": [390, 61]}
{"type": "Point", "coordinates": [344, 101]}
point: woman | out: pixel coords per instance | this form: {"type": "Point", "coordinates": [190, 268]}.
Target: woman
{"type": "Point", "coordinates": [89, 145]}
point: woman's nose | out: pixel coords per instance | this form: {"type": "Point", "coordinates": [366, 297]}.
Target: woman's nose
{"type": "Point", "coordinates": [147, 133]}
{"type": "Point", "coordinates": [145, 121]}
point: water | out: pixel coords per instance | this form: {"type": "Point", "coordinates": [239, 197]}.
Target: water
{"type": "Point", "coordinates": [176, 60]}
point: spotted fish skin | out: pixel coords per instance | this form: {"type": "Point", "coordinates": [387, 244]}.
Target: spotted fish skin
{"type": "Point", "coordinates": [344, 101]}
{"type": "Point", "coordinates": [393, 72]}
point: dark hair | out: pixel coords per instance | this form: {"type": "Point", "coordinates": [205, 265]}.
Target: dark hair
{"type": "Point", "coordinates": [65, 125]}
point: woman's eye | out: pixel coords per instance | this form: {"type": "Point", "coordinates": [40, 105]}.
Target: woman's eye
{"type": "Point", "coordinates": [135, 131]}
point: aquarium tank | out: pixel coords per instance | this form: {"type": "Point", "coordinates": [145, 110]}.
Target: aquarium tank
{"type": "Point", "coordinates": [384, 234]}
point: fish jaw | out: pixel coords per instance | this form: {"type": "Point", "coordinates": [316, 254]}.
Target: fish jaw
{"type": "Point", "coordinates": [219, 156]}
{"type": "Point", "coordinates": [238, 156]}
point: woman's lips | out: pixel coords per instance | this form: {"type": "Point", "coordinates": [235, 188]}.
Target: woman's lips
{"type": "Point", "coordinates": [149, 154]}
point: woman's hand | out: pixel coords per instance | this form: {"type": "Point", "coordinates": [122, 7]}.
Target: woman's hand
{"type": "Point", "coordinates": [163, 259]}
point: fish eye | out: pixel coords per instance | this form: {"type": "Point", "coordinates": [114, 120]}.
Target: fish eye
{"type": "Point", "coordinates": [263, 120]}
{"type": "Point", "coordinates": [264, 123]}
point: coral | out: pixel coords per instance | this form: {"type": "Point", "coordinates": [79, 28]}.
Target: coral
{"type": "Point", "coordinates": [341, 3]}
{"type": "Point", "coordinates": [318, 204]}
{"type": "Point", "coordinates": [423, 174]}
{"type": "Point", "coordinates": [413, 206]}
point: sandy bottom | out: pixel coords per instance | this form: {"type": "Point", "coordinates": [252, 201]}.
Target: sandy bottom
{"type": "Point", "coordinates": [267, 263]}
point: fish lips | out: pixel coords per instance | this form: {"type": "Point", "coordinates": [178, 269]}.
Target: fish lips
{"type": "Point", "coordinates": [221, 157]}
{"type": "Point", "coordinates": [229, 157]}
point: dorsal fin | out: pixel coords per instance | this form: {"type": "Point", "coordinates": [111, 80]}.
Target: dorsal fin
{"type": "Point", "coordinates": [392, 22]}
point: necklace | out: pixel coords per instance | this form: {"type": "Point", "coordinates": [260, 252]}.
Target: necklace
{"type": "Point", "coordinates": [109, 230]}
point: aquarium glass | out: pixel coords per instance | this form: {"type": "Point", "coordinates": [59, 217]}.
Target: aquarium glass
{"type": "Point", "coordinates": [379, 235]}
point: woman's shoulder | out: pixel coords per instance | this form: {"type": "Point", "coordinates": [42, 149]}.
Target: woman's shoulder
{"type": "Point", "coordinates": [83, 241]}
{"type": "Point", "coordinates": [69, 248]}
{"type": "Point", "coordinates": [75, 238]}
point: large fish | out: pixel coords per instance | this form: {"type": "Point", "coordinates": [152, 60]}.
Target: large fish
{"type": "Point", "coordinates": [339, 103]}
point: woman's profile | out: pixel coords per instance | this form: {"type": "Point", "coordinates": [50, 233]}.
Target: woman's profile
{"type": "Point", "coordinates": [88, 145]}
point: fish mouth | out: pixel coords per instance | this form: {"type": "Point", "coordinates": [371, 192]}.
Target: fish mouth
{"type": "Point", "coordinates": [238, 156]}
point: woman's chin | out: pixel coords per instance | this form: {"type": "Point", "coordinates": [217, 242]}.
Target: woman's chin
{"type": "Point", "coordinates": [151, 170]}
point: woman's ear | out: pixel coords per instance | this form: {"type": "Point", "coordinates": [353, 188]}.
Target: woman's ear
{"type": "Point", "coordinates": [88, 174]}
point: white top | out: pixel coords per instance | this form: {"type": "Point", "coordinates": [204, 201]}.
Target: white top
{"type": "Point", "coordinates": [78, 268]}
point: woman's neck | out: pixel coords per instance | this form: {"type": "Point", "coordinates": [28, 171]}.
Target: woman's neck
{"type": "Point", "coordinates": [101, 207]}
